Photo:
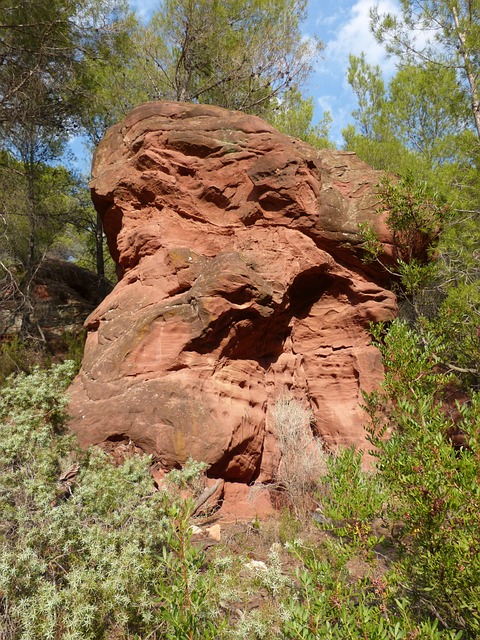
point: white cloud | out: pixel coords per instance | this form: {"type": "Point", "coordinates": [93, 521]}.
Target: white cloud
{"type": "Point", "coordinates": [344, 27]}
{"type": "Point", "coordinates": [327, 103]}
{"type": "Point", "coordinates": [354, 36]}
{"type": "Point", "coordinates": [329, 20]}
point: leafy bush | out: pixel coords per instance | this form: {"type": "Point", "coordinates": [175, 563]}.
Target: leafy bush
{"type": "Point", "coordinates": [99, 555]}
{"type": "Point", "coordinates": [17, 355]}
{"type": "Point", "coordinates": [415, 215]}
{"type": "Point", "coordinates": [351, 498]}
{"type": "Point", "coordinates": [434, 488]}
{"type": "Point", "coordinates": [351, 493]}
{"type": "Point", "coordinates": [188, 477]}
{"type": "Point", "coordinates": [458, 328]}
{"type": "Point", "coordinates": [334, 606]}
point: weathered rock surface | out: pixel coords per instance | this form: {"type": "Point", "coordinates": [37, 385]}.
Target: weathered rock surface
{"type": "Point", "coordinates": [237, 249]}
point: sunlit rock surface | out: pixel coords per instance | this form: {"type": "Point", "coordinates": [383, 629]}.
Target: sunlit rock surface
{"type": "Point", "coordinates": [241, 279]}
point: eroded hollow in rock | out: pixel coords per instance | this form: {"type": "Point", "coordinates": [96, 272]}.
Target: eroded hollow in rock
{"type": "Point", "coordinates": [307, 289]}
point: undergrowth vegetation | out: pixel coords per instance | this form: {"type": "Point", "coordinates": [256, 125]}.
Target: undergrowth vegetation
{"type": "Point", "coordinates": [90, 550]}
{"type": "Point", "coordinates": [97, 555]}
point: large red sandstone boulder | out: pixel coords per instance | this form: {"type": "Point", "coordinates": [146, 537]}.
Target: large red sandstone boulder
{"type": "Point", "coordinates": [240, 280]}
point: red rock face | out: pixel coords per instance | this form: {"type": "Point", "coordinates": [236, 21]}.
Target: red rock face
{"type": "Point", "coordinates": [240, 280]}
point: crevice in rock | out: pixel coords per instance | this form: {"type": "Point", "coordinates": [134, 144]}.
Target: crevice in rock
{"type": "Point", "coordinates": [215, 196]}
{"type": "Point", "coordinates": [235, 474]}
{"type": "Point", "coordinates": [307, 289]}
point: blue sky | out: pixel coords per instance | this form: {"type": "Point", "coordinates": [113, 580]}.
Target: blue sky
{"type": "Point", "coordinates": [343, 27]}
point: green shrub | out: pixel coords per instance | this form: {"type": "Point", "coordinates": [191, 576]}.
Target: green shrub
{"type": "Point", "coordinates": [434, 489]}
{"type": "Point", "coordinates": [90, 551]}
{"type": "Point", "coordinates": [19, 356]}
{"type": "Point", "coordinates": [351, 498]}
{"type": "Point", "coordinates": [99, 555]}
{"type": "Point", "coordinates": [22, 356]}
{"type": "Point", "coordinates": [333, 606]}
